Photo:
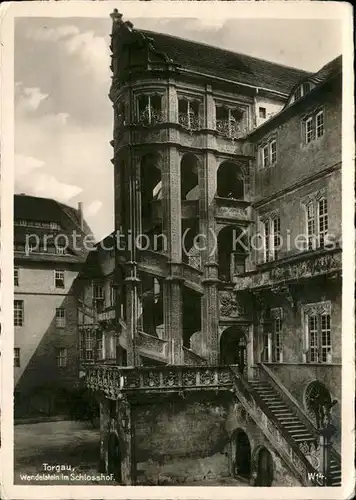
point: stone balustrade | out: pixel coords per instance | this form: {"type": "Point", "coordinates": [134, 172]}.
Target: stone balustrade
{"type": "Point", "coordinates": [307, 265]}
{"type": "Point", "coordinates": [114, 380]}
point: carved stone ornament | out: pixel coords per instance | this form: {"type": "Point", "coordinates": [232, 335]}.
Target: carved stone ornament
{"type": "Point", "coordinates": [229, 306]}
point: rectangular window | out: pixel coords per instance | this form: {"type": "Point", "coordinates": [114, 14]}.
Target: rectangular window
{"type": "Point", "coordinates": [17, 362]}
{"type": "Point", "coordinates": [319, 338]}
{"type": "Point", "coordinates": [262, 112]}
{"type": "Point", "coordinates": [266, 241]}
{"type": "Point", "coordinates": [62, 357]}
{"type": "Point", "coordinates": [266, 346]}
{"type": "Point", "coordinates": [276, 227]}
{"type": "Point", "coordinates": [322, 221]}
{"type": "Point", "coordinates": [277, 345]}
{"type": "Point", "coordinates": [59, 279]}
{"type": "Point", "coordinates": [54, 225]}
{"type": "Point", "coordinates": [264, 156]}
{"type": "Point", "coordinates": [313, 338]}
{"type": "Point", "coordinates": [98, 291]}
{"type": "Point", "coordinates": [310, 225]}
{"type": "Point", "coordinates": [273, 149]}
{"type": "Point", "coordinates": [60, 317]}
{"type": "Point", "coordinates": [320, 124]}
{"type": "Point", "coordinates": [87, 345]}
{"type": "Point", "coordinates": [309, 130]}
{"type": "Point", "coordinates": [60, 250]}
{"type": "Point", "coordinates": [18, 313]}
{"type": "Point", "coordinates": [16, 276]}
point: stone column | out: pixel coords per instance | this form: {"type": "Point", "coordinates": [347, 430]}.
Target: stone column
{"type": "Point", "coordinates": [104, 434]}
{"type": "Point", "coordinates": [210, 299]}
{"type": "Point", "coordinates": [124, 420]}
{"type": "Point", "coordinates": [173, 319]}
{"type": "Point", "coordinates": [132, 287]}
{"type": "Point", "coordinates": [171, 204]}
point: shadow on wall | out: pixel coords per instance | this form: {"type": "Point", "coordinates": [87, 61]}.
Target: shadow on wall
{"type": "Point", "coordinates": [44, 388]}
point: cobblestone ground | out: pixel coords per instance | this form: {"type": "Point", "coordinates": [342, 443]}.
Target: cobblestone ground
{"type": "Point", "coordinates": [74, 444]}
{"type": "Point", "coordinates": [66, 443]}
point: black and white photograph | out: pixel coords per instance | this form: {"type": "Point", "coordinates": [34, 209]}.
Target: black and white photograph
{"type": "Point", "coordinates": [175, 230]}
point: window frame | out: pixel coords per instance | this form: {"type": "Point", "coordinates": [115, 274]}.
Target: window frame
{"type": "Point", "coordinates": [319, 126]}
{"type": "Point", "coordinates": [17, 357]}
{"type": "Point", "coordinates": [62, 361]}
{"type": "Point", "coordinates": [318, 334]}
{"type": "Point", "coordinates": [58, 279]}
{"type": "Point", "coordinates": [316, 223]}
{"type": "Point", "coordinates": [61, 320]}
{"type": "Point", "coordinates": [273, 153]}
{"type": "Point", "coordinates": [270, 248]}
{"type": "Point", "coordinates": [19, 320]}
{"type": "Point", "coordinates": [16, 276]}
{"type": "Point", "coordinates": [309, 134]}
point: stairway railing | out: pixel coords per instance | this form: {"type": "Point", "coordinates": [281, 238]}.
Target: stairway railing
{"type": "Point", "coordinates": [274, 431]}
{"type": "Point", "coordinates": [266, 374]}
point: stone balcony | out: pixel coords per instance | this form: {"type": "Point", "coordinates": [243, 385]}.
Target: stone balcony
{"type": "Point", "coordinates": [114, 380]}
{"type": "Point", "coordinates": [228, 209]}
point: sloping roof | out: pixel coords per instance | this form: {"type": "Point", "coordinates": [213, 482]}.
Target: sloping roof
{"type": "Point", "coordinates": [227, 64]}
{"type": "Point", "coordinates": [35, 208]}
{"type": "Point", "coordinates": [327, 72]}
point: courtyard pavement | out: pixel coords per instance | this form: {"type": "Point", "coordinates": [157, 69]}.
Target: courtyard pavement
{"type": "Point", "coordinates": [66, 443]}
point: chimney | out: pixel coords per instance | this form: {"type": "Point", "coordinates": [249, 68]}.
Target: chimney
{"type": "Point", "coordinates": [80, 210]}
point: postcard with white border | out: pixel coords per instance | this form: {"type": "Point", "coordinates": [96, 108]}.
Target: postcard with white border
{"type": "Point", "coordinates": [177, 250]}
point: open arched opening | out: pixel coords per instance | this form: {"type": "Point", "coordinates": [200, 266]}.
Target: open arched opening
{"type": "Point", "coordinates": [152, 305]}
{"type": "Point", "coordinates": [264, 470]}
{"type": "Point", "coordinates": [191, 315]}
{"type": "Point", "coordinates": [242, 459]}
{"type": "Point", "coordinates": [189, 188]}
{"type": "Point", "coordinates": [230, 182]}
{"type": "Point", "coordinates": [151, 184]}
{"type": "Point", "coordinates": [233, 348]}
{"type": "Point", "coordinates": [232, 252]}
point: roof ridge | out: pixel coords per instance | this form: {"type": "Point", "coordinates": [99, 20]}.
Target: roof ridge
{"type": "Point", "coordinates": [228, 51]}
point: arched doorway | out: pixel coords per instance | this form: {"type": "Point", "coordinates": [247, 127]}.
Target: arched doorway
{"type": "Point", "coordinates": [264, 471]}
{"type": "Point", "coordinates": [233, 348]}
{"type": "Point", "coordinates": [242, 455]}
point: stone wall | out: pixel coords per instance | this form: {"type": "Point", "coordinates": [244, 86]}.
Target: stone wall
{"type": "Point", "coordinates": [181, 440]}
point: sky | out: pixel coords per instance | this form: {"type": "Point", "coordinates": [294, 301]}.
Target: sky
{"type": "Point", "coordinates": [64, 118]}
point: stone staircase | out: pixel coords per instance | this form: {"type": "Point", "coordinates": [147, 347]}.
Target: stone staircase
{"type": "Point", "coordinates": [289, 420]}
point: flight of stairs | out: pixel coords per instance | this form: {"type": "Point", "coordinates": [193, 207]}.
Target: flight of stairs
{"type": "Point", "coordinates": [290, 421]}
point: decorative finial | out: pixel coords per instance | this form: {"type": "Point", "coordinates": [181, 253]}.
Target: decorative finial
{"type": "Point", "coordinates": [116, 16]}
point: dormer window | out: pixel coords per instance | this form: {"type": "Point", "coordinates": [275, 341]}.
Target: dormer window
{"type": "Point", "coordinates": [188, 114]}
{"type": "Point", "coordinates": [150, 109]}
{"type": "Point", "coordinates": [301, 91]}
{"type": "Point", "coordinates": [229, 121]}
